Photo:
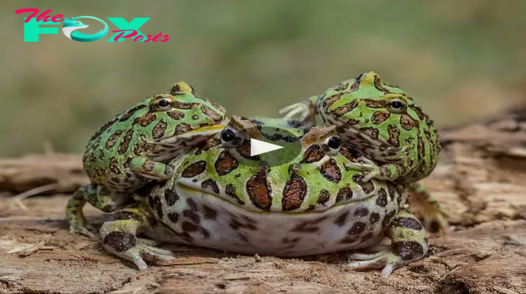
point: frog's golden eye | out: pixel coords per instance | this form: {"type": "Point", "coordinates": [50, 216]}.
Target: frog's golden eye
{"type": "Point", "coordinates": [396, 105]}
{"type": "Point", "coordinates": [332, 145]}
{"type": "Point", "coordinates": [163, 103]}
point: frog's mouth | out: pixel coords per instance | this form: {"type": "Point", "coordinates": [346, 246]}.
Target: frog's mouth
{"type": "Point", "coordinates": [195, 187]}
{"type": "Point", "coordinates": [190, 187]}
{"type": "Point", "coordinates": [199, 134]}
{"type": "Point", "coordinates": [204, 131]}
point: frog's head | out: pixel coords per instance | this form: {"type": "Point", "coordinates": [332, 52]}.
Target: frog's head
{"type": "Point", "coordinates": [370, 112]}
{"type": "Point", "coordinates": [173, 120]}
{"type": "Point", "coordinates": [182, 116]}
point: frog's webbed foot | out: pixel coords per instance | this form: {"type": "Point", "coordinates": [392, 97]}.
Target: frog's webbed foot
{"type": "Point", "coordinates": [436, 221]}
{"type": "Point", "coordinates": [386, 260]}
{"type": "Point", "coordinates": [408, 244]}
{"type": "Point", "coordinates": [86, 230]}
{"type": "Point", "coordinates": [294, 109]}
{"type": "Point", "coordinates": [74, 215]}
{"type": "Point", "coordinates": [136, 250]}
{"type": "Point", "coordinates": [119, 237]}
{"type": "Point", "coordinates": [428, 209]}
{"type": "Point", "coordinates": [306, 109]}
{"type": "Point", "coordinates": [365, 165]}
{"type": "Point", "coordinates": [151, 169]}
{"type": "Point", "coordinates": [386, 172]}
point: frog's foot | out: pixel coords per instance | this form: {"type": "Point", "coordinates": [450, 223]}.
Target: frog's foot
{"type": "Point", "coordinates": [96, 195]}
{"type": "Point", "coordinates": [428, 209]}
{"type": "Point", "coordinates": [301, 108]}
{"type": "Point", "coordinates": [119, 237]}
{"type": "Point", "coordinates": [151, 169]}
{"type": "Point", "coordinates": [436, 221]}
{"type": "Point", "coordinates": [86, 230]}
{"type": "Point", "coordinates": [74, 215]}
{"type": "Point", "coordinates": [127, 246]}
{"type": "Point", "coordinates": [386, 172]}
{"type": "Point", "coordinates": [408, 244]}
{"type": "Point", "coordinates": [366, 165]}
{"type": "Point", "coordinates": [386, 260]}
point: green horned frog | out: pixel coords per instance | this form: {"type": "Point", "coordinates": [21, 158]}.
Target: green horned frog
{"type": "Point", "coordinates": [397, 141]}
{"type": "Point", "coordinates": [134, 147]}
{"type": "Point", "coordinates": [223, 198]}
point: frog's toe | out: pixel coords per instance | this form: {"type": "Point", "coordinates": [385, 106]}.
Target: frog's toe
{"type": "Point", "coordinates": [152, 254]}
{"type": "Point", "coordinates": [148, 242]}
{"type": "Point", "coordinates": [373, 174]}
{"type": "Point", "coordinates": [386, 260]}
{"type": "Point", "coordinates": [294, 109]}
{"type": "Point", "coordinates": [83, 230]}
{"type": "Point", "coordinates": [372, 170]}
{"type": "Point", "coordinates": [434, 218]}
{"type": "Point", "coordinates": [436, 221]}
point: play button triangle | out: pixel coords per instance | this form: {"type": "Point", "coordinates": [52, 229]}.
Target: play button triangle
{"type": "Point", "coordinates": [259, 147]}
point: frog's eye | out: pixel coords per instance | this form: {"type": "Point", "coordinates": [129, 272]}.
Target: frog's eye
{"type": "Point", "coordinates": [332, 145]}
{"type": "Point", "coordinates": [78, 22]}
{"type": "Point", "coordinates": [228, 136]}
{"type": "Point", "coordinates": [396, 105]}
{"type": "Point", "coordinates": [231, 138]}
{"type": "Point", "coordinates": [163, 104]}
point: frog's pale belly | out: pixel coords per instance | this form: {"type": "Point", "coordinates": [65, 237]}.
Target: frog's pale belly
{"type": "Point", "coordinates": [206, 221]}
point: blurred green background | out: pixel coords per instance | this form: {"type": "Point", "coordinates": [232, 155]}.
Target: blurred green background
{"type": "Point", "coordinates": [460, 60]}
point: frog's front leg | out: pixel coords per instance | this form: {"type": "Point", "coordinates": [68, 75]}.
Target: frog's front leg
{"type": "Point", "coordinates": [386, 172]}
{"type": "Point", "coordinates": [428, 208]}
{"type": "Point", "coordinates": [97, 196]}
{"type": "Point", "coordinates": [151, 169]}
{"type": "Point", "coordinates": [119, 237]}
{"type": "Point", "coordinates": [408, 243]}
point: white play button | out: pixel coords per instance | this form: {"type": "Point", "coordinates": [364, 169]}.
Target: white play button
{"type": "Point", "coordinates": [258, 147]}
{"type": "Point", "coordinates": [284, 143]}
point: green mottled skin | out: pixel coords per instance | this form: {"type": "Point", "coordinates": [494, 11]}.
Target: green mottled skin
{"type": "Point", "coordinates": [310, 205]}
{"type": "Point", "coordinates": [396, 139]}
{"type": "Point", "coordinates": [132, 149]}
{"type": "Point", "coordinates": [401, 141]}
